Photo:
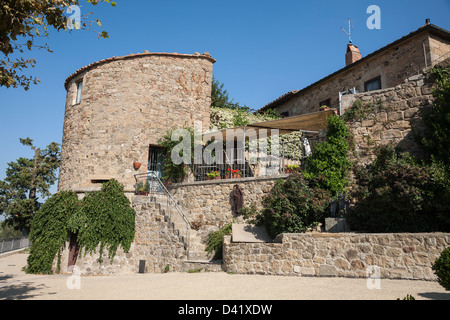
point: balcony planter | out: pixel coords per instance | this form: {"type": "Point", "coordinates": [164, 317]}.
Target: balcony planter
{"type": "Point", "coordinates": [213, 175]}
{"type": "Point", "coordinates": [237, 174]}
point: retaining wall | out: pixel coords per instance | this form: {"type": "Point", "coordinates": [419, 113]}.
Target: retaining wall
{"type": "Point", "coordinates": [396, 256]}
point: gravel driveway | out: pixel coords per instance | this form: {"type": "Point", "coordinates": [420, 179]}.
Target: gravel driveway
{"type": "Point", "coordinates": [15, 284]}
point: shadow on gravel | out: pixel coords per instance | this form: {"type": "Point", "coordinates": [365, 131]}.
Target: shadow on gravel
{"type": "Point", "coordinates": [436, 295]}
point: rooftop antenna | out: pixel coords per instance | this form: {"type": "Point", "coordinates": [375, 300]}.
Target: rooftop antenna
{"type": "Point", "coordinates": [350, 28]}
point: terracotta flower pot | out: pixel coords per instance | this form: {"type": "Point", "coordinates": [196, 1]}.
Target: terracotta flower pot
{"type": "Point", "coordinates": [136, 165]}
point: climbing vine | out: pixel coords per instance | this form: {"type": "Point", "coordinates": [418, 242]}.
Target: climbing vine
{"type": "Point", "coordinates": [175, 172]}
{"type": "Point", "coordinates": [329, 164]}
{"type": "Point", "coordinates": [105, 221]}
{"type": "Point", "coordinates": [222, 118]}
{"type": "Point", "coordinates": [49, 231]}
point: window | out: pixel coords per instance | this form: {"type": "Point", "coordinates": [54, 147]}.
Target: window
{"type": "Point", "coordinates": [284, 114]}
{"type": "Point", "coordinates": [325, 103]}
{"type": "Point", "coordinates": [373, 84]}
{"type": "Point", "coordinates": [99, 181]}
{"type": "Point", "coordinates": [79, 91]}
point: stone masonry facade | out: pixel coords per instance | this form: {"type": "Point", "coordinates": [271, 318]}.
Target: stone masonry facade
{"type": "Point", "coordinates": [391, 64]}
{"type": "Point", "coordinates": [395, 256]}
{"type": "Point", "coordinates": [155, 242]}
{"type": "Point", "coordinates": [389, 116]}
{"type": "Point", "coordinates": [127, 104]}
{"type": "Point", "coordinates": [210, 203]}
{"type": "Point", "coordinates": [161, 244]}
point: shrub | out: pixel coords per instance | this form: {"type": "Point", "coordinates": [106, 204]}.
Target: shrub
{"type": "Point", "coordinates": [441, 268]}
{"type": "Point", "coordinates": [329, 164]}
{"type": "Point", "coordinates": [436, 139]}
{"type": "Point", "coordinates": [215, 241]}
{"type": "Point", "coordinates": [293, 206]}
{"type": "Point", "coordinates": [397, 194]}
{"type": "Point", "coordinates": [49, 231]}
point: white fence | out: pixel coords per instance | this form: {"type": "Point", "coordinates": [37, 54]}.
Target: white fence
{"type": "Point", "coordinates": [14, 244]}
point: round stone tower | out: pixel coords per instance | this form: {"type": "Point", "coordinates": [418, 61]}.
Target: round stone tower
{"type": "Point", "coordinates": [118, 108]}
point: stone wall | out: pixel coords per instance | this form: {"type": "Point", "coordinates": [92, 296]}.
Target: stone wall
{"type": "Point", "coordinates": [398, 256]}
{"type": "Point", "coordinates": [155, 242]}
{"type": "Point", "coordinates": [127, 104]}
{"type": "Point", "coordinates": [159, 243]}
{"type": "Point", "coordinates": [210, 202]}
{"type": "Point", "coordinates": [389, 116]}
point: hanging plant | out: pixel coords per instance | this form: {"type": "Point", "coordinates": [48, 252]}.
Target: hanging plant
{"type": "Point", "coordinates": [49, 231]}
{"type": "Point", "coordinates": [105, 221]}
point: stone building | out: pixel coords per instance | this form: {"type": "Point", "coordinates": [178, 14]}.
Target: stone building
{"type": "Point", "coordinates": [118, 108]}
{"type": "Point", "coordinates": [385, 68]}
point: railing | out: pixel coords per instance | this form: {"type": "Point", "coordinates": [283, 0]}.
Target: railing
{"type": "Point", "coordinates": [150, 185]}
{"type": "Point", "coordinates": [14, 244]}
{"type": "Point", "coordinates": [240, 163]}
{"type": "Point", "coordinates": [339, 206]}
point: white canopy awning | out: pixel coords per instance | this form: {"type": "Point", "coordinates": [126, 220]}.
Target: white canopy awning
{"type": "Point", "coordinates": [311, 122]}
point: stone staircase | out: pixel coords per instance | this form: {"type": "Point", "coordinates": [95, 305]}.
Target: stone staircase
{"type": "Point", "coordinates": [195, 242]}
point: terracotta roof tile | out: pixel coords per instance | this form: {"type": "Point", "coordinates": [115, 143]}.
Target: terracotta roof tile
{"type": "Point", "coordinates": [205, 55]}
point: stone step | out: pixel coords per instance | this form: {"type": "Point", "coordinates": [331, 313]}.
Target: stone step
{"type": "Point", "coordinates": [198, 250]}
{"type": "Point", "coordinates": [202, 266]}
{"type": "Point", "coordinates": [177, 224]}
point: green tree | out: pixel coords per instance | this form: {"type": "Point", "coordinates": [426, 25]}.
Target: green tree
{"type": "Point", "coordinates": [22, 23]}
{"type": "Point", "coordinates": [8, 232]}
{"type": "Point", "coordinates": [219, 96]}
{"type": "Point", "coordinates": [26, 179]}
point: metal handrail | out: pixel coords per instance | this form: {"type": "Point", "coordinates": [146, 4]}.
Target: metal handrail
{"type": "Point", "coordinates": [170, 197]}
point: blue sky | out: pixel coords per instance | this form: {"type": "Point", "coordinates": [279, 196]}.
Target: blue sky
{"type": "Point", "coordinates": [263, 50]}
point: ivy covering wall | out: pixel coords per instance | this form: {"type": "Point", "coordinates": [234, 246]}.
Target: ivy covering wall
{"type": "Point", "coordinates": [103, 219]}
{"type": "Point", "coordinates": [224, 118]}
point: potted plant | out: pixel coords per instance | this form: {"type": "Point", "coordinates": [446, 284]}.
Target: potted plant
{"type": "Point", "coordinates": [326, 108]}
{"type": "Point", "coordinates": [143, 189]}
{"type": "Point", "coordinates": [237, 173]}
{"type": "Point", "coordinates": [213, 175]}
{"type": "Point", "coordinates": [290, 168]}
{"type": "Point", "coordinates": [228, 174]}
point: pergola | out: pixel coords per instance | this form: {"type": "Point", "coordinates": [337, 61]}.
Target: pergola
{"type": "Point", "coordinates": [311, 122]}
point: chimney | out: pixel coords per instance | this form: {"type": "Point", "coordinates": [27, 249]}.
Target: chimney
{"type": "Point", "coordinates": [352, 54]}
